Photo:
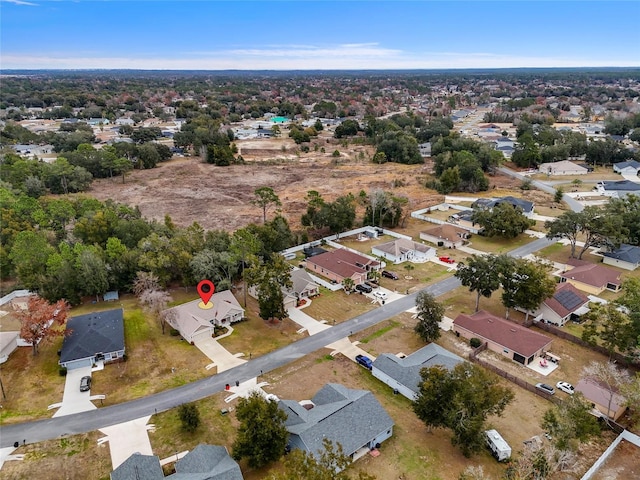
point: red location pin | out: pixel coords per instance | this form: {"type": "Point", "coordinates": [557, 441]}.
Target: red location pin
{"type": "Point", "coordinates": [205, 290]}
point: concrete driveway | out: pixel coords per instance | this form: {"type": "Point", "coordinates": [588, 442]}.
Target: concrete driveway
{"type": "Point", "coordinates": [220, 357]}
{"type": "Point", "coordinates": [127, 438]}
{"type": "Point", "coordinates": [73, 400]}
{"type": "Point", "coordinates": [348, 349]}
{"type": "Point", "coordinates": [307, 322]}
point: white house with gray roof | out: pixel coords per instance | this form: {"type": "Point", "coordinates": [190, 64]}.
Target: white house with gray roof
{"type": "Point", "coordinates": [630, 167]}
{"type": "Point", "coordinates": [626, 256]}
{"type": "Point", "coordinates": [403, 374]}
{"type": "Point", "coordinates": [353, 418]}
{"type": "Point", "coordinates": [402, 250]}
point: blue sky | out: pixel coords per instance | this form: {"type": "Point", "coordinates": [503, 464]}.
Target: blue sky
{"type": "Point", "coordinates": [286, 35]}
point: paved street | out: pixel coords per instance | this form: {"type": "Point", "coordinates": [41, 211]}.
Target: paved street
{"type": "Point", "coordinates": [50, 428]}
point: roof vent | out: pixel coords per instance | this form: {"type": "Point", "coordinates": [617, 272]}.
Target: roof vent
{"type": "Point", "coordinates": [513, 330]}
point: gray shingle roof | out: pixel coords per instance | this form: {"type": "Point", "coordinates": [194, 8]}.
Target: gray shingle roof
{"type": "Point", "coordinates": [207, 462]}
{"type": "Point", "coordinates": [621, 185]}
{"type": "Point", "coordinates": [406, 370]}
{"type": "Point", "coordinates": [349, 417]}
{"type": "Point", "coordinates": [626, 253]}
{"type": "Point", "coordinates": [139, 467]}
{"type": "Point", "coordinates": [96, 332]}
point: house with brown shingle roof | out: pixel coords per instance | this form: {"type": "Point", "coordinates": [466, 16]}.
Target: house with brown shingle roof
{"type": "Point", "coordinates": [566, 303]}
{"type": "Point", "coordinates": [339, 264]}
{"type": "Point", "coordinates": [607, 402]}
{"type": "Point", "coordinates": [592, 278]}
{"type": "Point", "coordinates": [445, 235]}
{"type": "Point", "coordinates": [507, 338]}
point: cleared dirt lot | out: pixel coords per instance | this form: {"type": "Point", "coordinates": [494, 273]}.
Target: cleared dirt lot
{"type": "Point", "coordinates": [220, 197]}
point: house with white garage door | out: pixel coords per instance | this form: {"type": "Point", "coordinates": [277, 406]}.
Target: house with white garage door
{"type": "Point", "coordinates": [191, 320]}
{"type": "Point", "coordinates": [93, 338]}
{"type": "Point", "coordinates": [403, 250]}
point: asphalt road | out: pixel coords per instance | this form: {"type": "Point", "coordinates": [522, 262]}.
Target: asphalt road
{"type": "Point", "coordinates": [572, 202]}
{"type": "Point", "coordinates": [47, 429]}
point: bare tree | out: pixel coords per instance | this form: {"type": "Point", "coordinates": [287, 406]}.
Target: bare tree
{"type": "Point", "coordinates": [539, 461]}
{"type": "Point", "coordinates": [156, 302]}
{"type": "Point", "coordinates": [608, 376]}
{"type": "Point", "coordinates": [145, 281]}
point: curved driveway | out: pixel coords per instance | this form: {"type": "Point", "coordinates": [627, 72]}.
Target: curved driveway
{"type": "Point", "coordinates": [50, 428]}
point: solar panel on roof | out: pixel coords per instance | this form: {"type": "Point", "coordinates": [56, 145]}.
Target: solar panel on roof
{"type": "Point", "coordinates": [569, 300]}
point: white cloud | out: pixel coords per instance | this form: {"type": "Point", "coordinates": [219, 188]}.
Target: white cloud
{"type": "Point", "coordinates": [19, 2]}
{"type": "Point", "coordinates": [354, 56]}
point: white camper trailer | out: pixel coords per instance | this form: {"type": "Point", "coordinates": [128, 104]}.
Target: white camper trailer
{"type": "Point", "coordinates": [500, 449]}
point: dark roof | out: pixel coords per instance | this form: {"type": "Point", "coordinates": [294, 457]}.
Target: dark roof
{"type": "Point", "coordinates": [525, 205]}
{"type": "Point", "coordinates": [621, 185]}
{"type": "Point", "coordinates": [97, 332]}
{"type": "Point", "coordinates": [313, 251]}
{"type": "Point", "coordinates": [626, 253]}
{"type": "Point", "coordinates": [139, 467]}
{"type": "Point", "coordinates": [566, 299]}
{"type": "Point", "coordinates": [503, 332]}
{"type": "Point", "coordinates": [207, 462]}
{"type": "Point", "coordinates": [629, 163]}
{"type": "Point", "coordinates": [350, 417]}
{"type": "Point", "coordinates": [406, 371]}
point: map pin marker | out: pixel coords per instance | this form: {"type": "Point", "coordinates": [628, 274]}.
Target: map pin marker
{"type": "Point", "coordinates": [205, 290]}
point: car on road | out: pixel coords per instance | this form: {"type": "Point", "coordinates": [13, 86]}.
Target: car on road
{"type": "Point", "coordinates": [380, 295]}
{"type": "Point", "coordinates": [364, 288]}
{"type": "Point", "coordinates": [388, 274]}
{"type": "Point", "coordinates": [364, 361]}
{"type": "Point", "coordinates": [546, 388]}
{"type": "Point", "coordinates": [447, 259]}
{"type": "Point", "coordinates": [565, 387]}
{"type": "Point", "coordinates": [85, 384]}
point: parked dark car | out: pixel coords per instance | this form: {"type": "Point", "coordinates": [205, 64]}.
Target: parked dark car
{"type": "Point", "coordinates": [546, 388]}
{"type": "Point", "coordinates": [391, 275]}
{"type": "Point", "coordinates": [85, 384]}
{"type": "Point", "coordinates": [364, 361]}
{"type": "Point", "coordinates": [364, 288]}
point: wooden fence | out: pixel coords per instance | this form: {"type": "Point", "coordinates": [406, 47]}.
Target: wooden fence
{"type": "Point", "coordinates": [578, 341]}
{"type": "Point", "coordinates": [473, 357]}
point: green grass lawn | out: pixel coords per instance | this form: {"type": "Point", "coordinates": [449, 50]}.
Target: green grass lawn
{"type": "Point", "coordinates": [499, 245]}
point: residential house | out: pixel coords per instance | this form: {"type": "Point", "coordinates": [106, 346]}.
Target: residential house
{"type": "Point", "coordinates": [403, 373]}
{"type": "Point", "coordinates": [191, 320]}
{"type": "Point", "coordinates": [425, 149]}
{"type": "Point", "coordinates": [353, 418]}
{"type": "Point", "coordinates": [92, 338]}
{"type": "Point", "coordinates": [8, 343]}
{"type": "Point", "coordinates": [502, 336]}
{"type": "Point", "coordinates": [302, 286]}
{"type": "Point", "coordinates": [592, 278]}
{"type": "Point", "coordinates": [630, 167]}
{"type": "Point", "coordinates": [488, 203]}
{"type": "Point", "coordinates": [402, 250]}
{"type": "Point", "coordinates": [464, 219]}
{"type": "Point", "coordinates": [205, 462]}
{"type": "Point", "coordinates": [336, 265]}
{"type": "Point", "coordinates": [446, 235]}
{"type": "Point", "coordinates": [125, 121]}
{"type": "Point", "coordinates": [563, 167]}
{"type": "Point", "coordinates": [625, 256]}
{"type": "Point", "coordinates": [617, 189]}
{"type": "Point", "coordinates": [607, 402]}
{"type": "Point", "coordinates": [567, 303]}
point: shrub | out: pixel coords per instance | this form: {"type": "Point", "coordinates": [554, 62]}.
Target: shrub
{"type": "Point", "coordinates": [173, 332]}
{"type": "Point", "coordinates": [475, 342]}
{"type": "Point", "coordinates": [189, 416]}
{"type": "Point", "coordinates": [62, 371]}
